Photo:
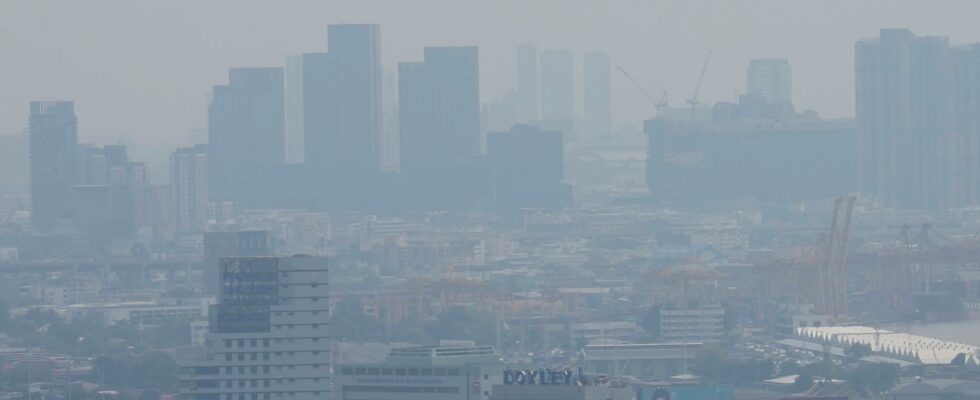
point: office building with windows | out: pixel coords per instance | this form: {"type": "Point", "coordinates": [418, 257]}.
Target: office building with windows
{"type": "Point", "coordinates": [219, 245]}
{"type": "Point", "coordinates": [246, 123]}
{"type": "Point", "coordinates": [189, 186]}
{"type": "Point", "coordinates": [53, 139]}
{"type": "Point", "coordinates": [267, 335]}
{"type": "Point", "coordinates": [772, 80]}
{"type": "Point", "coordinates": [439, 108]}
{"type": "Point", "coordinates": [341, 95]}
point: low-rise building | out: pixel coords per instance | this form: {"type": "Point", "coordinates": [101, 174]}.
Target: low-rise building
{"type": "Point", "coordinates": [422, 373]}
{"type": "Point", "coordinates": [645, 361]}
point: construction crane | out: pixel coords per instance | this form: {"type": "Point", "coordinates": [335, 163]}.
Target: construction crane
{"type": "Point", "coordinates": [693, 101]}
{"type": "Point", "coordinates": [833, 273]}
{"type": "Point", "coordinates": [658, 104]}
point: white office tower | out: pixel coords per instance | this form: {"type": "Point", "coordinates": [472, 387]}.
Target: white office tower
{"type": "Point", "coordinates": [268, 333]}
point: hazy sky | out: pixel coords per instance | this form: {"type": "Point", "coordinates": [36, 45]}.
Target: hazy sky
{"type": "Point", "coordinates": [140, 71]}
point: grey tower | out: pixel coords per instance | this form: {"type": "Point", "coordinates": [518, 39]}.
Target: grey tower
{"type": "Point", "coordinates": [557, 88]}
{"type": "Point", "coordinates": [439, 107]}
{"type": "Point", "coordinates": [771, 78]}
{"type": "Point", "coordinates": [902, 93]}
{"type": "Point", "coordinates": [189, 183]}
{"type": "Point", "coordinates": [245, 130]}
{"type": "Point", "coordinates": [527, 83]}
{"type": "Point", "coordinates": [342, 103]}
{"type": "Point", "coordinates": [598, 110]}
{"type": "Point", "coordinates": [53, 144]}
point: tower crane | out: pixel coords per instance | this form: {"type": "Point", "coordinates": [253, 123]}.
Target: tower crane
{"type": "Point", "coordinates": [693, 101]}
{"type": "Point", "coordinates": [658, 104]}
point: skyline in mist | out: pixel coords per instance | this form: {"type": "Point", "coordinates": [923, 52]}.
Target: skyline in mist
{"type": "Point", "coordinates": [140, 73]}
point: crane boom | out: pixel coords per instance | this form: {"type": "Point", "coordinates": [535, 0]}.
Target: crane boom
{"type": "Point", "coordinates": [658, 104]}
{"type": "Point", "coordinates": [693, 101]}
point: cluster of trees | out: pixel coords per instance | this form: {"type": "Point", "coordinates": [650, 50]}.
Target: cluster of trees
{"type": "Point", "coordinates": [89, 335]}
{"type": "Point", "coordinates": [121, 353]}
{"type": "Point", "coordinates": [350, 322]}
{"type": "Point", "coordinates": [863, 377]}
{"type": "Point", "coordinates": [714, 364]}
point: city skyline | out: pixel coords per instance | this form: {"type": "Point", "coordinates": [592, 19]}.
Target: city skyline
{"type": "Point", "coordinates": [815, 58]}
{"type": "Point", "coordinates": [549, 199]}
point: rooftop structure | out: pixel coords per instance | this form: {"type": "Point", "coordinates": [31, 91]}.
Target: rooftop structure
{"type": "Point", "coordinates": [923, 349]}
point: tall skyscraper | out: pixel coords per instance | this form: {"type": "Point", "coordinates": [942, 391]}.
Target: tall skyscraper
{"type": "Point", "coordinates": [527, 82]}
{"type": "Point", "coordinates": [903, 98]}
{"type": "Point", "coordinates": [558, 89]}
{"type": "Point", "coordinates": [267, 334]}
{"type": "Point", "coordinates": [963, 172]}
{"type": "Point", "coordinates": [218, 245]}
{"type": "Point", "coordinates": [439, 108]}
{"type": "Point", "coordinates": [342, 119]}
{"type": "Point", "coordinates": [598, 107]}
{"type": "Point", "coordinates": [53, 144]}
{"type": "Point", "coordinates": [771, 78]}
{"type": "Point", "coordinates": [189, 187]}
{"type": "Point", "coordinates": [245, 130]}
{"type": "Point", "coordinates": [293, 85]}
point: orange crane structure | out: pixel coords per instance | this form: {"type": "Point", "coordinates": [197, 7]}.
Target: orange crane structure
{"type": "Point", "coordinates": [823, 281]}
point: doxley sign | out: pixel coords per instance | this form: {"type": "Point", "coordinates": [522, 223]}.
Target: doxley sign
{"type": "Point", "coordinates": [537, 377]}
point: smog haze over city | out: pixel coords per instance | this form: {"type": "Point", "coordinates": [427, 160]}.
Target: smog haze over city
{"type": "Point", "coordinates": [489, 200]}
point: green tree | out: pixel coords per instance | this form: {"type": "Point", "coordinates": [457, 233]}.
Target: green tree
{"type": "Point", "coordinates": [150, 370]}
{"type": "Point", "coordinates": [877, 378]}
{"type": "Point", "coordinates": [858, 350]}
{"type": "Point", "coordinates": [459, 323]}
{"type": "Point", "coordinates": [711, 362]}
{"type": "Point", "coordinates": [349, 322]}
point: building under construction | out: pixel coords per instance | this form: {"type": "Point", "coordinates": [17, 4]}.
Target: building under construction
{"type": "Point", "coordinates": [781, 161]}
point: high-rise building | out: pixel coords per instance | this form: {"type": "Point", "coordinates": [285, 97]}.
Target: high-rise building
{"type": "Point", "coordinates": [267, 334]}
{"type": "Point", "coordinates": [903, 107]}
{"type": "Point", "coordinates": [218, 245]}
{"type": "Point", "coordinates": [245, 130]}
{"type": "Point", "coordinates": [105, 194]}
{"type": "Point", "coordinates": [772, 79]}
{"type": "Point", "coordinates": [293, 92]}
{"type": "Point", "coordinates": [189, 187]}
{"type": "Point", "coordinates": [598, 97]}
{"type": "Point", "coordinates": [342, 103]}
{"type": "Point", "coordinates": [53, 144]}
{"type": "Point", "coordinates": [963, 170]}
{"type": "Point", "coordinates": [528, 168]}
{"type": "Point", "coordinates": [439, 108]}
{"type": "Point", "coordinates": [557, 89]}
{"type": "Point", "coordinates": [527, 82]}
